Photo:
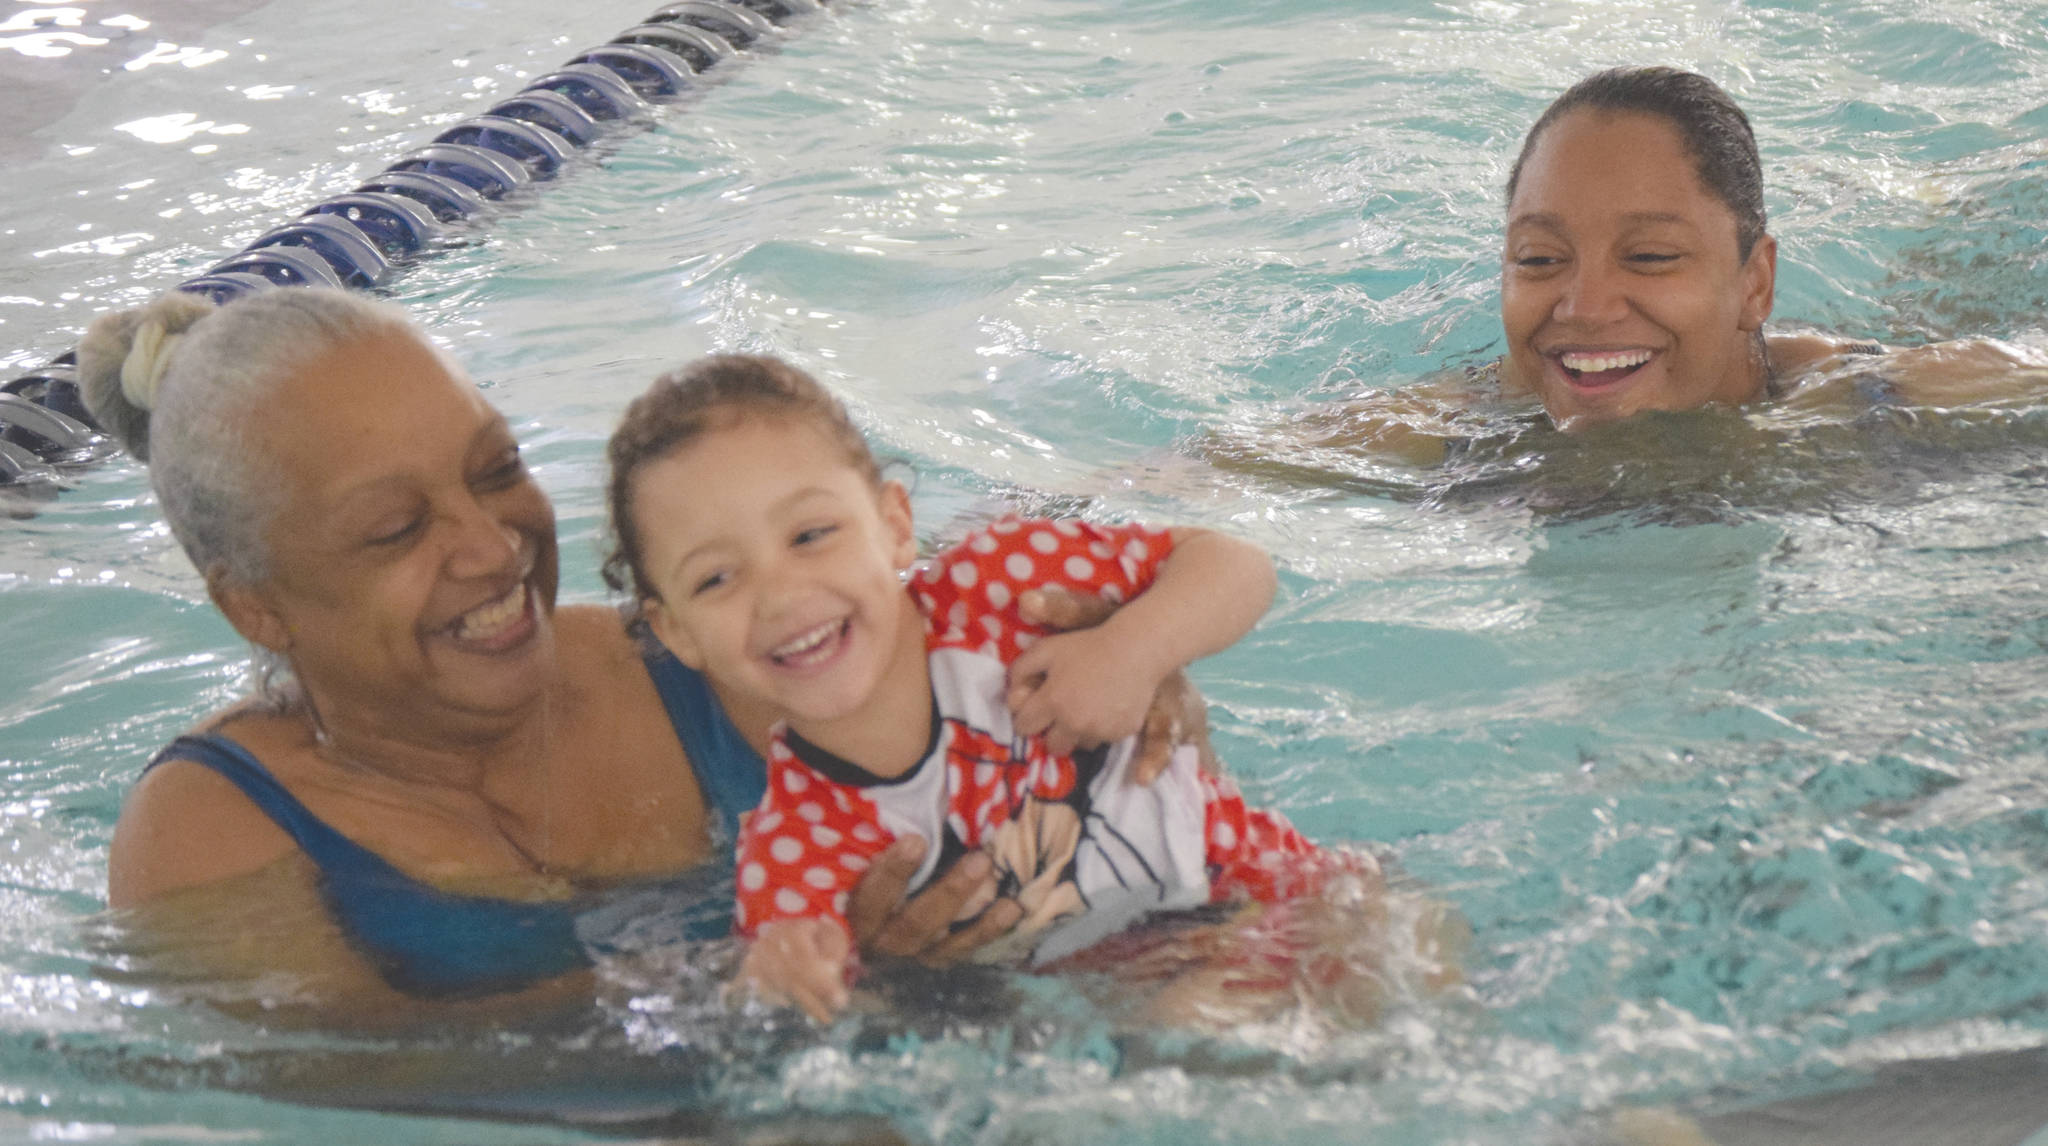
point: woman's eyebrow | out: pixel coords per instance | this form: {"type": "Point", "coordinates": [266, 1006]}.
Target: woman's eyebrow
{"type": "Point", "coordinates": [490, 428]}
{"type": "Point", "coordinates": [1657, 217]}
{"type": "Point", "coordinates": [493, 431]}
{"type": "Point", "coordinates": [1551, 221]}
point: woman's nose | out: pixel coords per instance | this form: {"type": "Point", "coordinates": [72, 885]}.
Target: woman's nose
{"type": "Point", "coordinates": [484, 543]}
{"type": "Point", "coordinates": [1592, 293]}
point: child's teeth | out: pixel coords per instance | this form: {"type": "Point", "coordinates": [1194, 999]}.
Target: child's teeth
{"type": "Point", "coordinates": [807, 641]}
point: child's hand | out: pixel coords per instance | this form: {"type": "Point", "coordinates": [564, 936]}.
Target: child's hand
{"type": "Point", "coordinates": [1178, 714]}
{"type": "Point", "coordinates": [1092, 686]}
{"type": "Point", "coordinates": [801, 961]}
{"type": "Point", "coordinates": [1083, 688]}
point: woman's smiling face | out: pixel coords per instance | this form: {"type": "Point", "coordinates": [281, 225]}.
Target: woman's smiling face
{"type": "Point", "coordinates": [413, 557]}
{"type": "Point", "coordinates": [1623, 288]}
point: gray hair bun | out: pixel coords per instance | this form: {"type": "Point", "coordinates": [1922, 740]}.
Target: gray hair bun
{"type": "Point", "coordinates": [123, 358]}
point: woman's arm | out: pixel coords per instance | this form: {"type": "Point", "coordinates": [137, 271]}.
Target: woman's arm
{"type": "Point", "coordinates": [262, 944]}
{"type": "Point", "coordinates": [1828, 371]}
{"type": "Point", "coordinates": [1413, 425]}
{"type": "Point", "coordinates": [1967, 372]}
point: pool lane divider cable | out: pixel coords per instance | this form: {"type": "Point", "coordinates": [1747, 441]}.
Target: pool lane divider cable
{"type": "Point", "coordinates": [357, 239]}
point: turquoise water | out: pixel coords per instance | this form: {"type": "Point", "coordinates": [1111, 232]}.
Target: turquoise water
{"type": "Point", "coordinates": [1725, 734]}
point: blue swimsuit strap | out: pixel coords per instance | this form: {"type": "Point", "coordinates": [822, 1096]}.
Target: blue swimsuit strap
{"type": "Point", "coordinates": [422, 940]}
{"type": "Point", "coordinates": [433, 943]}
{"type": "Point", "coordinates": [731, 774]}
{"type": "Point", "coordinates": [1873, 385]}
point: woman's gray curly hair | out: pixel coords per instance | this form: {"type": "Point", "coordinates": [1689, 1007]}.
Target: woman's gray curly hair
{"type": "Point", "coordinates": [179, 382]}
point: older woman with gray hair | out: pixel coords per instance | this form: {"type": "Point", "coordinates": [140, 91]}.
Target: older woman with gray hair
{"type": "Point", "coordinates": [444, 772]}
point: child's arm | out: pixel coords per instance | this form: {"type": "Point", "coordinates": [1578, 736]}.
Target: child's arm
{"type": "Point", "coordinates": [799, 856]}
{"type": "Point", "coordinates": [801, 961]}
{"type": "Point", "coordinates": [1256, 853]}
{"type": "Point", "coordinates": [1093, 686]}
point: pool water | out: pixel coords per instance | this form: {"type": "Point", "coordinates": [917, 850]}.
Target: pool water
{"type": "Point", "coordinates": [1726, 733]}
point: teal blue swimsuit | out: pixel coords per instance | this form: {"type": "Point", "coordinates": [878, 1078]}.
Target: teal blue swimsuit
{"type": "Point", "coordinates": [433, 944]}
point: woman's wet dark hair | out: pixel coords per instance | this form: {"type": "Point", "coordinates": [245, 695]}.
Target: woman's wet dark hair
{"type": "Point", "coordinates": [1707, 118]}
{"type": "Point", "coordinates": [711, 394]}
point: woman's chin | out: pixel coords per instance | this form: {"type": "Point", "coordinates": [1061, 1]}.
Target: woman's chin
{"type": "Point", "coordinates": [1572, 406]}
{"type": "Point", "coordinates": [1570, 414]}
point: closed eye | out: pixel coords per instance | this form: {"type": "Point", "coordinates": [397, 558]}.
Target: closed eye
{"type": "Point", "coordinates": [813, 535]}
{"type": "Point", "coordinates": [400, 535]}
{"type": "Point", "coordinates": [706, 584]}
{"type": "Point", "coordinates": [504, 472]}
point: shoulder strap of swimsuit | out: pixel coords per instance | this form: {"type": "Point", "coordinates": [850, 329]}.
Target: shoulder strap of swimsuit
{"type": "Point", "coordinates": [329, 849]}
{"type": "Point", "coordinates": [422, 940]}
{"type": "Point", "coordinates": [732, 774]}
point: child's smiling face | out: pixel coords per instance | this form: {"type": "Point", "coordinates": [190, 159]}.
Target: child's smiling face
{"type": "Point", "coordinates": [775, 564]}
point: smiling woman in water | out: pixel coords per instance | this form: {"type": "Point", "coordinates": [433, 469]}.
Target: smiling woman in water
{"type": "Point", "coordinates": [1637, 275]}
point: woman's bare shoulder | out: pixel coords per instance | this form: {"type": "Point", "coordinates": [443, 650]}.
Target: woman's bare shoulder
{"type": "Point", "coordinates": [1793, 353]}
{"type": "Point", "coordinates": [597, 635]}
{"type": "Point", "coordinates": [184, 825]}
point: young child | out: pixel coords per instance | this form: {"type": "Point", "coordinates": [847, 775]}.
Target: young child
{"type": "Point", "coordinates": [768, 552]}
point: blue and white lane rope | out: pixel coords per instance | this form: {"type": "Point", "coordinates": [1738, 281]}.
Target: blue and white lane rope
{"type": "Point", "coordinates": [360, 238]}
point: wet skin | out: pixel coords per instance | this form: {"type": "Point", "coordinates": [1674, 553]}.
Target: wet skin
{"type": "Point", "coordinates": [1622, 285]}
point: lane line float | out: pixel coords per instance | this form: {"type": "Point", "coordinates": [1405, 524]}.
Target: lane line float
{"type": "Point", "coordinates": [360, 238]}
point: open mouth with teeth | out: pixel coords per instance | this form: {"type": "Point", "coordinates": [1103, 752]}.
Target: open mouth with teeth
{"type": "Point", "coordinates": [498, 623]}
{"type": "Point", "coordinates": [1593, 370]}
{"type": "Point", "coordinates": [813, 646]}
